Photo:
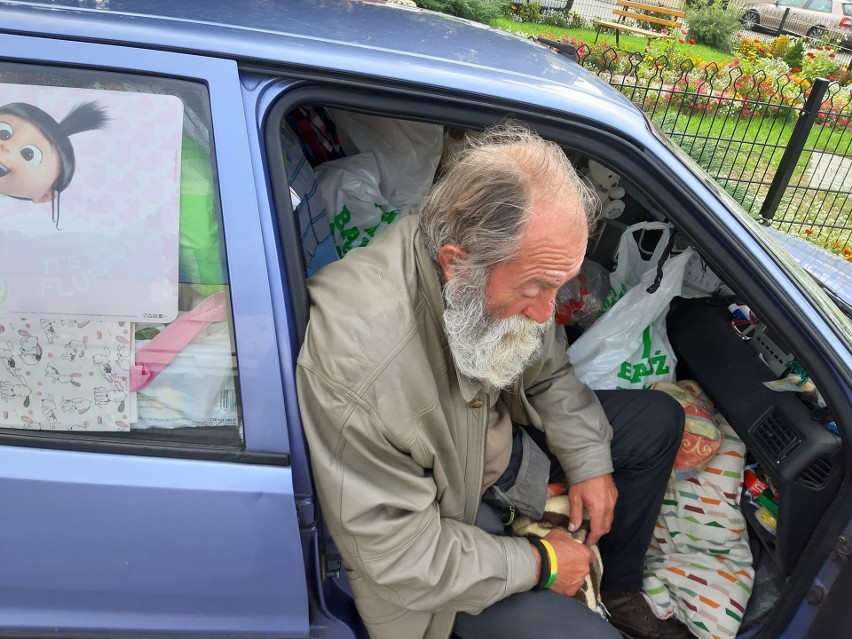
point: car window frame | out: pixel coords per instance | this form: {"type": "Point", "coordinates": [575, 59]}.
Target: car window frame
{"type": "Point", "coordinates": [259, 369]}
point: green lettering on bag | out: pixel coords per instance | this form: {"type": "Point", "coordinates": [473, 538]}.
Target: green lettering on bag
{"type": "Point", "coordinates": [350, 235]}
{"type": "Point", "coordinates": [635, 372]}
{"type": "Point", "coordinates": [660, 362]}
{"type": "Point", "coordinates": [646, 343]}
{"type": "Point", "coordinates": [389, 216]}
{"type": "Point", "coordinates": [342, 219]}
{"type": "Point", "coordinates": [615, 294]}
{"type": "Point", "coordinates": [626, 371]}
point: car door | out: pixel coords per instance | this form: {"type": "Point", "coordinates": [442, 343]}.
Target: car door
{"type": "Point", "coordinates": [181, 518]}
{"type": "Point", "coordinates": [773, 14]}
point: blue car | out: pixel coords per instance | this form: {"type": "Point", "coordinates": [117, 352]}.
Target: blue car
{"type": "Point", "coordinates": [174, 171]}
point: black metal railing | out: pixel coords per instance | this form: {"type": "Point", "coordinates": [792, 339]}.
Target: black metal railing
{"type": "Point", "coordinates": [780, 145]}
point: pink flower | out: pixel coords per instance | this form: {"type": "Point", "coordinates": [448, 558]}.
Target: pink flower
{"type": "Point", "coordinates": [664, 31]}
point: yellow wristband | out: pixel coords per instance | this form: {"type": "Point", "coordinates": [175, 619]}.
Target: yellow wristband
{"type": "Point", "coordinates": [551, 556]}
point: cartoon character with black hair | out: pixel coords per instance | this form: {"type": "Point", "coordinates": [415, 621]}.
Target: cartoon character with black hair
{"type": "Point", "coordinates": [36, 155]}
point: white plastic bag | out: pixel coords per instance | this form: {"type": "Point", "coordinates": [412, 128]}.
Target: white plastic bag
{"type": "Point", "coordinates": [350, 188]}
{"type": "Point", "coordinates": [196, 388]}
{"type": "Point", "coordinates": [631, 265]}
{"type": "Point", "coordinates": [407, 154]}
{"type": "Point", "coordinates": [628, 346]}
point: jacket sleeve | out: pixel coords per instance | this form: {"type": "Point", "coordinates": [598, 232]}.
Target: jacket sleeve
{"type": "Point", "coordinates": [382, 509]}
{"type": "Point", "coordinates": [574, 424]}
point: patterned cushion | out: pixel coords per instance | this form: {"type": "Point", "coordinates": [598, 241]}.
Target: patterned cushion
{"type": "Point", "coordinates": [701, 436]}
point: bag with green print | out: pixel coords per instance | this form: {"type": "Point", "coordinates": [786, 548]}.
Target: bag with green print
{"type": "Point", "coordinates": [627, 347]}
{"type": "Point", "coordinates": [386, 174]}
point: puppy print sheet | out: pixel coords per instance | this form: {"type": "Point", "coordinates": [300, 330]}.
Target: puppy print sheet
{"type": "Point", "coordinates": [65, 375]}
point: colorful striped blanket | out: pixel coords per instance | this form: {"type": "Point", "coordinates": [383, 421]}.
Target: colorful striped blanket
{"type": "Point", "coordinates": [699, 564]}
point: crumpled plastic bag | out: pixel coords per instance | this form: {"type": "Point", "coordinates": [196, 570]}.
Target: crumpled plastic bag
{"type": "Point", "coordinates": [580, 301]}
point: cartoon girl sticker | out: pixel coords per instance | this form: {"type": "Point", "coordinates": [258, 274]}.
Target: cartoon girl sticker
{"type": "Point", "coordinates": [36, 155]}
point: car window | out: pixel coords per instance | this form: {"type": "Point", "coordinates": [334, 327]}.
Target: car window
{"type": "Point", "coordinates": [795, 4]}
{"type": "Point", "coordinates": [820, 5]}
{"type": "Point", "coordinates": [115, 320]}
{"type": "Point", "coordinates": [847, 9]}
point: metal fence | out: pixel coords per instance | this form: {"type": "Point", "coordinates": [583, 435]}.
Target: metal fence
{"type": "Point", "coordinates": [780, 146]}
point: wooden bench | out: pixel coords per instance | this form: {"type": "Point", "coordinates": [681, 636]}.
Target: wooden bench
{"type": "Point", "coordinates": [666, 17]}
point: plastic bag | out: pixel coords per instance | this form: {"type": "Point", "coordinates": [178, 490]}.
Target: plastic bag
{"type": "Point", "coordinates": [350, 188]}
{"type": "Point", "coordinates": [196, 388]}
{"type": "Point", "coordinates": [407, 154]}
{"type": "Point", "coordinates": [631, 265]}
{"type": "Point", "coordinates": [628, 346]}
{"type": "Point", "coordinates": [580, 301]}
{"type": "Point", "coordinates": [387, 173]}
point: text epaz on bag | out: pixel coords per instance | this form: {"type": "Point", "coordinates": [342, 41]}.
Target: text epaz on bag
{"type": "Point", "coordinates": [656, 364]}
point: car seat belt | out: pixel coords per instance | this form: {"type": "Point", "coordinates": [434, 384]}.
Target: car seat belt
{"type": "Point", "coordinates": [152, 358]}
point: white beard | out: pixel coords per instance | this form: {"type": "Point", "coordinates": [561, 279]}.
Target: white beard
{"type": "Point", "coordinates": [487, 349]}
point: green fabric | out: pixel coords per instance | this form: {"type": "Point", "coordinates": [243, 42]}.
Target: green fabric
{"type": "Point", "coordinates": [200, 260]}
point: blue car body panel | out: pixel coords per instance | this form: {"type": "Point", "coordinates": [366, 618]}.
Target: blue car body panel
{"type": "Point", "coordinates": [97, 542]}
{"type": "Point", "coordinates": [167, 545]}
{"type": "Point", "coordinates": [233, 547]}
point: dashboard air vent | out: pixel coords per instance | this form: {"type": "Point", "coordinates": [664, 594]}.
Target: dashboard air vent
{"type": "Point", "coordinates": [776, 436]}
{"type": "Point", "coordinates": [816, 475]}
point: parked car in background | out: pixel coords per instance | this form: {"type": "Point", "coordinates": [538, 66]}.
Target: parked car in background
{"type": "Point", "coordinates": [145, 495]}
{"type": "Point", "coordinates": [813, 19]}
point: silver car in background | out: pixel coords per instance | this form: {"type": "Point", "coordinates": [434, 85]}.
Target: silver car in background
{"type": "Point", "coordinates": [813, 19]}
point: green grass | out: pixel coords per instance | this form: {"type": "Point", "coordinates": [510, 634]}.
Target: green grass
{"type": "Point", "coordinates": [627, 42]}
{"type": "Point", "coordinates": [743, 154]}
{"type": "Point", "coordinates": [738, 151]}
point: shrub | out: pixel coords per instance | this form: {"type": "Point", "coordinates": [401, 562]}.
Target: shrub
{"type": "Point", "coordinates": [778, 47]}
{"type": "Point", "coordinates": [484, 11]}
{"type": "Point", "coordinates": [562, 19]}
{"type": "Point", "coordinates": [794, 53]}
{"type": "Point", "coordinates": [712, 25]}
{"type": "Point", "coordinates": [530, 12]}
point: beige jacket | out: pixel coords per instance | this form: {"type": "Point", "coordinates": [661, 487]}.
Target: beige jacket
{"type": "Point", "coordinates": [397, 440]}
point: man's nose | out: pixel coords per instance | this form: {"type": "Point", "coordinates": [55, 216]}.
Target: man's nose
{"type": "Point", "coordinates": [541, 308]}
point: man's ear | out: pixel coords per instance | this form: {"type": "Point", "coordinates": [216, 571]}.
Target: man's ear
{"type": "Point", "coordinates": [450, 257]}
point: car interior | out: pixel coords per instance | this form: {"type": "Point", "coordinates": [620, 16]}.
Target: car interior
{"type": "Point", "coordinates": [793, 464]}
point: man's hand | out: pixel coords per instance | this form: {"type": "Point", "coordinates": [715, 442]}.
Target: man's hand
{"type": "Point", "coordinates": [597, 496]}
{"type": "Point", "coordinates": [573, 562]}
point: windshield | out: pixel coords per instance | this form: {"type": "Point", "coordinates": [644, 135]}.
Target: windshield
{"type": "Point", "coordinates": [813, 288]}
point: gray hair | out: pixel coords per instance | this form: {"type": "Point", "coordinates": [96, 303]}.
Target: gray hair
{"type": "Point", "coordinates": [483, 200]}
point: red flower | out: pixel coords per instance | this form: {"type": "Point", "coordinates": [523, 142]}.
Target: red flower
{"type": "Point", "coordinates": [691, 41]}
{"type": "Point", "coordinates": [809, 231]}
{"type": "Point", "coordinates": [796, 70]}
{"type": "Point", "coordinates": [832, 56]}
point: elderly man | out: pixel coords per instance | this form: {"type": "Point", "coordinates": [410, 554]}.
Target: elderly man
{"type": "Point", "coordinates": [432, 371]}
